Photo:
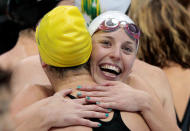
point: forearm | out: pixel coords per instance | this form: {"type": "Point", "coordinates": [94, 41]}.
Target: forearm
{"type": "Point", "coordinates": [30, 126]}
{"type": "Point", "coordinates": [155, 115]}
{"type": "Point", "coordinates": [32, 119]}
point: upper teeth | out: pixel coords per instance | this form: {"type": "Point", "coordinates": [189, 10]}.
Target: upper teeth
{"type": "Point", "coordinates": [110, 67]}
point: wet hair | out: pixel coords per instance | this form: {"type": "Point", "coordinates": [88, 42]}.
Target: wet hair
{"type": "Point", "coordinates": [165, 32]}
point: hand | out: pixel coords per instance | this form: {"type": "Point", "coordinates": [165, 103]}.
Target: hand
{"type": "Point", "coordinates": [58, 111]}
{"type": "Point", "coordinates": [114, 95]}
{"type": "Point", "coordinates": [73, 112]}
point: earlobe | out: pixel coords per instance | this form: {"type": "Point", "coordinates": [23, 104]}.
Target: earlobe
{"type": "Point", "coordinates": [44, 65]}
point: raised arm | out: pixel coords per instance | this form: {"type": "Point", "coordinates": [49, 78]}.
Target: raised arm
{"type": "Point", "coordinates": [34, 111]}
{"type": "Point", "coordinates": [157, 110]}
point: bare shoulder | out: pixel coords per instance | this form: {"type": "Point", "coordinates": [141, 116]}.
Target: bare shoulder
{"type": "Point", "coordinates": [6, 62]}
{"type": "Point", "coordinates": [28, 96]}
{"type": "Point", "coordinates": [149, 72]}
{"type": "Point", "coordinates": [154, 76]}
{"type": "Point", "coordinates": [28, 72]}
{"type": "Point", "coordinates": [157, 80]}
{"type": "Point", "coordinates": [143, 68]}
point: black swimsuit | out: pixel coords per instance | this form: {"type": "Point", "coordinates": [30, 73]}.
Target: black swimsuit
{"type": "Point", "coordinates": [185, 124]}
{"type": "Point", "coordinates": [116, 124]}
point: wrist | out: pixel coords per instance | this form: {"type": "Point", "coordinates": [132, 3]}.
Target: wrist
{"type": "Point", "coordinates": [145, 102]}
{"type": "Point", "coordinates": [45, 120]}
{"type": "Point", "coordinates": [32, 122]}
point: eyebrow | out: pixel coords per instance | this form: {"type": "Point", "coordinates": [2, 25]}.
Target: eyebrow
{"type": "Point", "coordinates": [109, 37]}
{"type": "Point", "coordinates": [128, 42]}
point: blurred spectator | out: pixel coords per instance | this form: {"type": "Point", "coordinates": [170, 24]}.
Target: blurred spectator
{"type": "Point", "coordinates": [9, 34]}
{"type": "Point", "coordinates": [5, 97]}
{"type": "Point", "coordinates": [165, 42]}
{"type": "Point", "coordinates": [16, 16]}
{"type": "Point", "coordinates": [92, 8]}
{"type": "Point", "coordinates": [17, 21]}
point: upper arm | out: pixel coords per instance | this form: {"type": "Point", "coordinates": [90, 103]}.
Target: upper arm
{"type": "Point", "coordinates": [163, 90]}
{"type": "Point", "coordinates": [156, 79]}
{"type": "Point", "coordinates": [28, 96]}
{"type": "Point", "coordinates": [167, 96]}
{"type": "Point", "coordinates": [27, 72]}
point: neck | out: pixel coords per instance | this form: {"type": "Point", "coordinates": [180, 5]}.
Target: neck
{"type": "Point", "coordinates": [72, 81]}
{"type": "Point", "coordinates": [172, 64]}
{"type": "Point", "coordinates": [26, 44]}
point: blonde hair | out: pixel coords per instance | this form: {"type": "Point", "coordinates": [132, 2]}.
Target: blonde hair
{"type": "Point", "coordinates": [165, 31]}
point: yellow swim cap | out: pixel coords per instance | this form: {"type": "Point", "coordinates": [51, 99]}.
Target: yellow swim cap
{"type": "Point", "coordinates": [62, 37]}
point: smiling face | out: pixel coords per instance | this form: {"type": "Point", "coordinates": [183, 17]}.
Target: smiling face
{"type": "Point", "coordinates": [112, 56]}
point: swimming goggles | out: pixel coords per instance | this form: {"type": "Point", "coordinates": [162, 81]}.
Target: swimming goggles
{"type": "Point", "coordinates": [113, 24]}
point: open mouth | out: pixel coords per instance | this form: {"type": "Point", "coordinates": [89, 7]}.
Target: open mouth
{"type": "Point", "coordinates": [110, 70]}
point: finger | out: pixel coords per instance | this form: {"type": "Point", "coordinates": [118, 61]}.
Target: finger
{"type": "Point", "coordinates": [88, 123]}
{"type": "Point", "coordinates": [95, 99]}
{"type": "Point", "coordinates": [83, 94]}
{"type": "Point", "coordinates": [90, 88]}
{"type": "Point", "coordinates": [108, 105]}
{"type": "Point", "coordinates": [95, 108]}
{"type": "Point", "coordinates": [81, 101]}
{"type": "Point", "coordinates": [64, 92]}
{"type": "Point", "coordinates": [93, 114]}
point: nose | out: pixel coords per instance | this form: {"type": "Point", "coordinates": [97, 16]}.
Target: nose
{"type": "Point", "coordinates": [115, 54]}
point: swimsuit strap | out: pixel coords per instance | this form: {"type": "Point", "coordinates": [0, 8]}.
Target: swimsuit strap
{"type": "Point", "coordinates": [185, 124]}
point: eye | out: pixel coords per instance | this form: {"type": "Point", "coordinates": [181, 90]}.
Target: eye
{"type": "Point", "coordinates": [127, 49]}
{"type": "Point", "coordinates": [106, 43]}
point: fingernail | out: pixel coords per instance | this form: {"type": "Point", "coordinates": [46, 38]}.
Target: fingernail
{"type": "Point", "coordinates": [99, 125]}
{"type": "Point", "coordinates": [78, 87]}
{"type": "Point", "coordinates": [79, 94]}
{"type": "Point", "coordinates": [88, 98]}
{"type": "Point", "coordinates": [97, 102]}
{"type": "Point", "coordinates": [109, 109]}
{"type": "Point", "coordinates": [106, 114]}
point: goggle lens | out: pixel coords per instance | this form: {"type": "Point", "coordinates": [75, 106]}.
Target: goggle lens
{"type": "Point", "coordinates": [133, 28]}
{"type": "Point", "coordinates": [114, 24]}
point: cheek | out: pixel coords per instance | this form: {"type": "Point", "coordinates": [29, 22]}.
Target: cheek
{"type": "Point", "coordinates": [96, 56]}
{"type": "Point", "coordinates": [93, 60]}
{"type": "Point", "coordinates": [97, 53]}
{"type": "Point", "coordinates": [129, 62]}
{"type": "Point", "coordinates": [93, 56]}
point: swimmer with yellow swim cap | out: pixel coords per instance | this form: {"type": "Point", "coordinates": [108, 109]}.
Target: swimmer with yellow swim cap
{"type": "Point", "coordinates": [65, 46]}
{"type": "Point", "coordinates": [63, 39]}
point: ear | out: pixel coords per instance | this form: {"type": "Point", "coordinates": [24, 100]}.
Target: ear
{"type": "Point", "coordinates": [44, 65]}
